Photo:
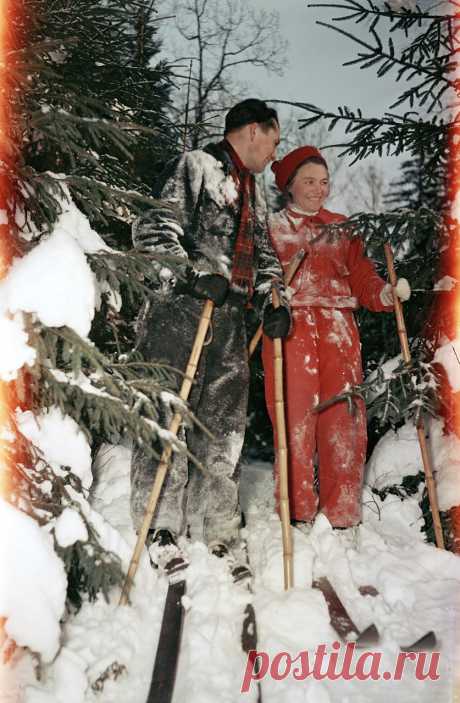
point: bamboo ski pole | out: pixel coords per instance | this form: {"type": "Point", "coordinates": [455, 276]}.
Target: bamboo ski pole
{"type": "Point", "coordinates": [288, 276]}
{"type": "Point", "coordinates": [282, 453]}
{"type": "Point", "coordinates": [187, 382]}
{"type": "Point", "coordinates": [427, 465]}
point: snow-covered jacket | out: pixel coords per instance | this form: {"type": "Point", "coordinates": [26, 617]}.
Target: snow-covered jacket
{"type": "Point", "coordinates": [197, 221]}
{"type": "Point", "coordinates": [335, 272]}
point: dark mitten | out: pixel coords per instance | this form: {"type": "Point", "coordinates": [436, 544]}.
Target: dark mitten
{"type": "Point", "coordinates": [277, 322]}
{"type": "Point", "coordinates": [210, 286]}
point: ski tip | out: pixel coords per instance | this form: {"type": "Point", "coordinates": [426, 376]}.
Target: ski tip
{"type": "Point", "coordinates": [423, 644]}
{"type": "Point", "coordinates": [368, 638]}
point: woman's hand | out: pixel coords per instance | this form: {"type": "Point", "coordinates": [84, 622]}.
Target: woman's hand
{"type": "Point", "coordinates": [402, 290]}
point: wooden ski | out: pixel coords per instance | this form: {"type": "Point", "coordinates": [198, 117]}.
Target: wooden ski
{"type": "Point", "coordinates": [346, 629]}
{"type": "Point", "coordinates": [169, 643]}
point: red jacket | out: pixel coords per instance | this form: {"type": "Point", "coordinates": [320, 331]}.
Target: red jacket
{"type": "Point", "coordinates": [335, 272]}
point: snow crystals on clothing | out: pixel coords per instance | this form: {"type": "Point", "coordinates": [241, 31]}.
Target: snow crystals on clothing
{"type": "Point", "coordinates": [221, 188]}
{"type": "Point", "coordinates": [340, 333]}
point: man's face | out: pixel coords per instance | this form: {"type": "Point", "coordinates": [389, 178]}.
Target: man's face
{"type": "Point", "coordinates": [262, 147]}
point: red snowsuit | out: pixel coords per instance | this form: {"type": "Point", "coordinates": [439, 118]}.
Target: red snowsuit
{"type": "Point", "coordinates": [321, 357]}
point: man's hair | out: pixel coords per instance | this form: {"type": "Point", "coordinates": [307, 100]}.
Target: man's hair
{"type": "Point", "coordinates": [248, 111]}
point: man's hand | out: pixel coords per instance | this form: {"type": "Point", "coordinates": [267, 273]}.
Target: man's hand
{"type": "Point", "coordinates": [402, 289]}
{"type": "Point", "coordinates": [209, 286]}
{"type": "Point", "coordinates": [277, 321]}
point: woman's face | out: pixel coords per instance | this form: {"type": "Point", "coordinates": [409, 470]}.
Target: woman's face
{"type": "Point", "coordinates": [310, 187]}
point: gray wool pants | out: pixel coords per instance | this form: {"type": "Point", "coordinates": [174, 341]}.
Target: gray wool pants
{"type": "Point", "coordinates": [204, 502]}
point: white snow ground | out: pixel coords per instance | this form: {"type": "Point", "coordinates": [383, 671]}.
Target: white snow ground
{"type": "Point", "coordinates": [108, 650]}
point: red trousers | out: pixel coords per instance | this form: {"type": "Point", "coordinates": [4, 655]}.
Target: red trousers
{"type": "Point", "coordinates": [321, 357]}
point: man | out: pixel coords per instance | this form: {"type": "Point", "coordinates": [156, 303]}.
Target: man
{"type": "Point", "coordinates": [213, 219]}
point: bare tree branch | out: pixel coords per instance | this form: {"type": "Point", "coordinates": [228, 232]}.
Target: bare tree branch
{"type": "Point", "coordinates": [220, 35]}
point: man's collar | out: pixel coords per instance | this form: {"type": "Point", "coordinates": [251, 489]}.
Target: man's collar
{"type": "Point", "coordinates": [239, 165]}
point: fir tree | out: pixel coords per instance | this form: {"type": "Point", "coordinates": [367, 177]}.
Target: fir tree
{"type": "Point", "coordinates": [87, 129]}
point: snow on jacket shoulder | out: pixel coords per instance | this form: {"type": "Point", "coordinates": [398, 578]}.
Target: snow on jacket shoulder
{"type": "Point", "coordinates": [335, 273]}
{"type": "Point", "coordinates": [198, 215]}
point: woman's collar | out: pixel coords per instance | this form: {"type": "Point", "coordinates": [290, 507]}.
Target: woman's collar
{"type": "Point", "coordinates": [296, 211]}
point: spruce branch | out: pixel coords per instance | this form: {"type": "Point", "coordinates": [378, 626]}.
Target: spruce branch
{"type": "Point", "coordinates": [44, 492]}
{"type": "Point", "coordinates": [115, 402]}
{"type": "Point", "coordinates": [406, 393]}
{"type": "Point", "coordinates": [391, 134]}
{"type": "Point", "coordinates": [403, 19]}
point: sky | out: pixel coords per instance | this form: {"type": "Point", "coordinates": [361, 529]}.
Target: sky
{"type": "Point", "coordinates": [315, 74]}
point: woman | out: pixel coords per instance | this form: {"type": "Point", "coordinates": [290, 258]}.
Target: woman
{"type": "Point", "coordinates": [322, 353]}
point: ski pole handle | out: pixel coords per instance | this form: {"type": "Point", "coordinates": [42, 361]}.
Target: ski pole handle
{"type": "Point", "coordinates": [288, 276]}
{"type": "Point", "coordinates": [400, 324]}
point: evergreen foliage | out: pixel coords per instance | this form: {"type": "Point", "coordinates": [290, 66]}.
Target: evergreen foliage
{"type": "Point", "coordinates": [89, 124]}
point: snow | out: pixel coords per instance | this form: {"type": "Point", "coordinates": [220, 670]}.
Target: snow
{"type": "Point", "coordinates": [75, 224]}
{"type": "Point", "coordinates": [407, 576]}
{"type": "Point", "coordinates": [69, 528]}
{"type": "Point", "coordinates": [14, 349]}
{"type": "Point", "coordinates": [32, 599]}
{"type": "Point", "coordinates": [82, 381]}
{"type": "Point", "coordinates": [60, 439]}
{"type": "Point", "coordinates": [53, 281]}
{"type": "Point", "coordinates": [396, 455]}
{"type": "Point", "coordinates": [114, 299]}
{"type": "Point", "coordinates": [445, 450]}
{"type": "Point", "coordinates": [448, 355]}
{"type": "Point", "coordinates": [108, 649]}
{"type": "Point", "coordinates": [386, 369]}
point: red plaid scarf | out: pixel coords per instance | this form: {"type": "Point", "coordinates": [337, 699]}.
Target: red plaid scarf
{"type": "Point", "coordinates": [243, 255]}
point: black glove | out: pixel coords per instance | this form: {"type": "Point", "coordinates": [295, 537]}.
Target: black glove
{"type": "Point", "coordinates": [277, 321]}
{"type": "Point", "coordinates": [208, 286]}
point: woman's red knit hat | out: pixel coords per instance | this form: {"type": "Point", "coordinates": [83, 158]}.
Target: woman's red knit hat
{"type": "Point", "coordinates": [284, 169]}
